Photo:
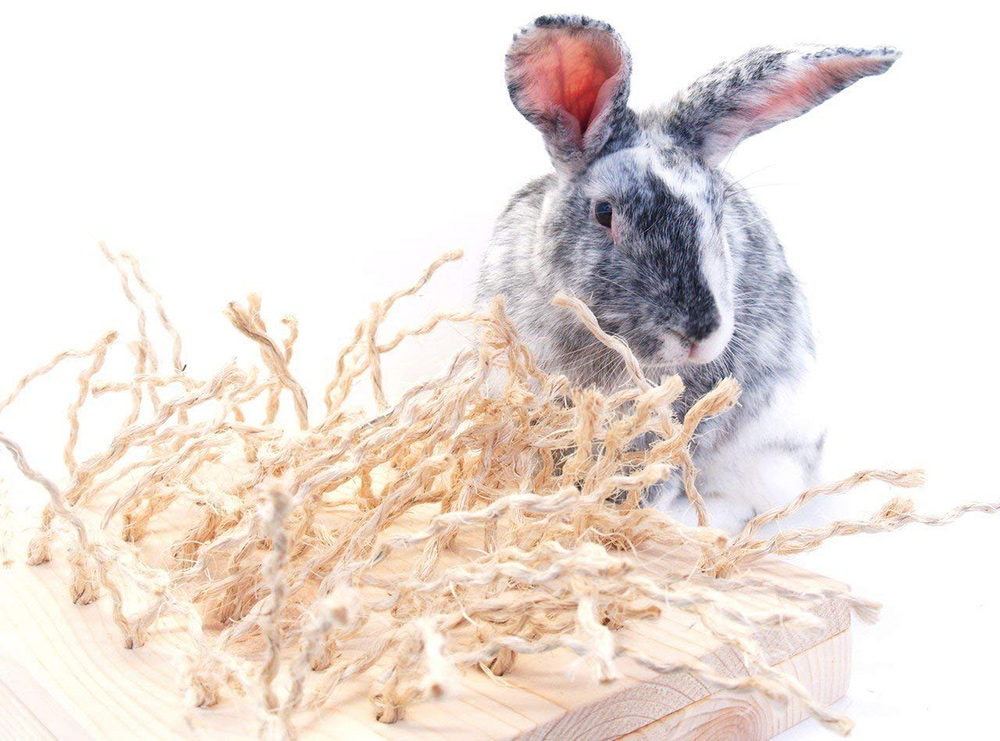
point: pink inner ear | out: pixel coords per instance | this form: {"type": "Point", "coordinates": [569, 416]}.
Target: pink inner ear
{"type": "Point", "coordinates": [810, 86]}
{"type": "Point", "coordinates": [569, 71]}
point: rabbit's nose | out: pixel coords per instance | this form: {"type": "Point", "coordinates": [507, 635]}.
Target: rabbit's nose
{"type": "Point", "coordinates": [697, 352]}
{"type": "Point", "coordinates": [708, 348]}
{"type": "Point", "coordinates": [702, 322]}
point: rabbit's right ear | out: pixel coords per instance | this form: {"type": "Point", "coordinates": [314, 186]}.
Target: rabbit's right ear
{"type": "Point", "coordinates": [569, 76]}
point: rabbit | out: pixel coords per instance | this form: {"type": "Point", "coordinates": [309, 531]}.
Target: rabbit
{"type": "Point", "coordinates": [640, 221]}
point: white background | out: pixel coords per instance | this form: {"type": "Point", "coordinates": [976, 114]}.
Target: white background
{"type": "Point", "coordinates": [323, 156]}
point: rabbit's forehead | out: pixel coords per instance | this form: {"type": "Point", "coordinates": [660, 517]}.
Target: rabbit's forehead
{"type": "Point", "coordinates": [652, 171]}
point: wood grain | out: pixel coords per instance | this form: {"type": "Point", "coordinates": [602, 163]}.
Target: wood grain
{"type": "Point", "coordinates": [824, 669]}
{"type": "Point", "coordinates": [64, 674]}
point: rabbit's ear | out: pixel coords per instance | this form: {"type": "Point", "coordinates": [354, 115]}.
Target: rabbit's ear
{"type": "Point", "coordinates": [569, 76]}
{"type": "Point", "coordinates": [760, 89]}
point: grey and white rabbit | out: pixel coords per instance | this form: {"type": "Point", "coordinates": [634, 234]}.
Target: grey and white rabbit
{"type": "Point", "coordinates": [640, 221]}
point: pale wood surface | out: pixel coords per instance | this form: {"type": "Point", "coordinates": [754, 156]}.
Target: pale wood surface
{"type": "Point", "coordinates": [825, 670]}
{"type": "Point", "coordinates": [65, 674]}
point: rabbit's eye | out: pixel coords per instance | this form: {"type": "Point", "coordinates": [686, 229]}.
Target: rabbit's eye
{"type": "Point", "coordinates": [603, 213]}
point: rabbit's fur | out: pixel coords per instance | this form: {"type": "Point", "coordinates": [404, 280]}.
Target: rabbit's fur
{"type": "Point", "coordinates": [688, 270]}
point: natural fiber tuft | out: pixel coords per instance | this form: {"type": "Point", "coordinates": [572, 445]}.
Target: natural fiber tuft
{"type": "Point", "coordinates": [516, 496]}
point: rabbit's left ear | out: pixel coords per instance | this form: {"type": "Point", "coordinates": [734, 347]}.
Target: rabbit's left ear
{"type": "Point", "coordinates": [761, 89]}
{"type": "Point", "coordinates": [569, 76]}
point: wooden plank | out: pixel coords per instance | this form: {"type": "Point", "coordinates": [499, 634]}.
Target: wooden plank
{"type": "Point", "coordinates": [825, 670]}
{"type": "Point", "coordinates": [66, 675]}
{"type": "Point", "coordinates": [16, 719]}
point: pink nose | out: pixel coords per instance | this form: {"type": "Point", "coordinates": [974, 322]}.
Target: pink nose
{"type": "Point", "coordinates": [694, 351]}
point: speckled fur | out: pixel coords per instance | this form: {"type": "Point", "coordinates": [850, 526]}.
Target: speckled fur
{"type": "Point", "coordinates": [696, 259]}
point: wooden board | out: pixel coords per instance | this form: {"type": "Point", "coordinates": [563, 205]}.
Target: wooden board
{"type": "Point", "coordinates": [64, 674]}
